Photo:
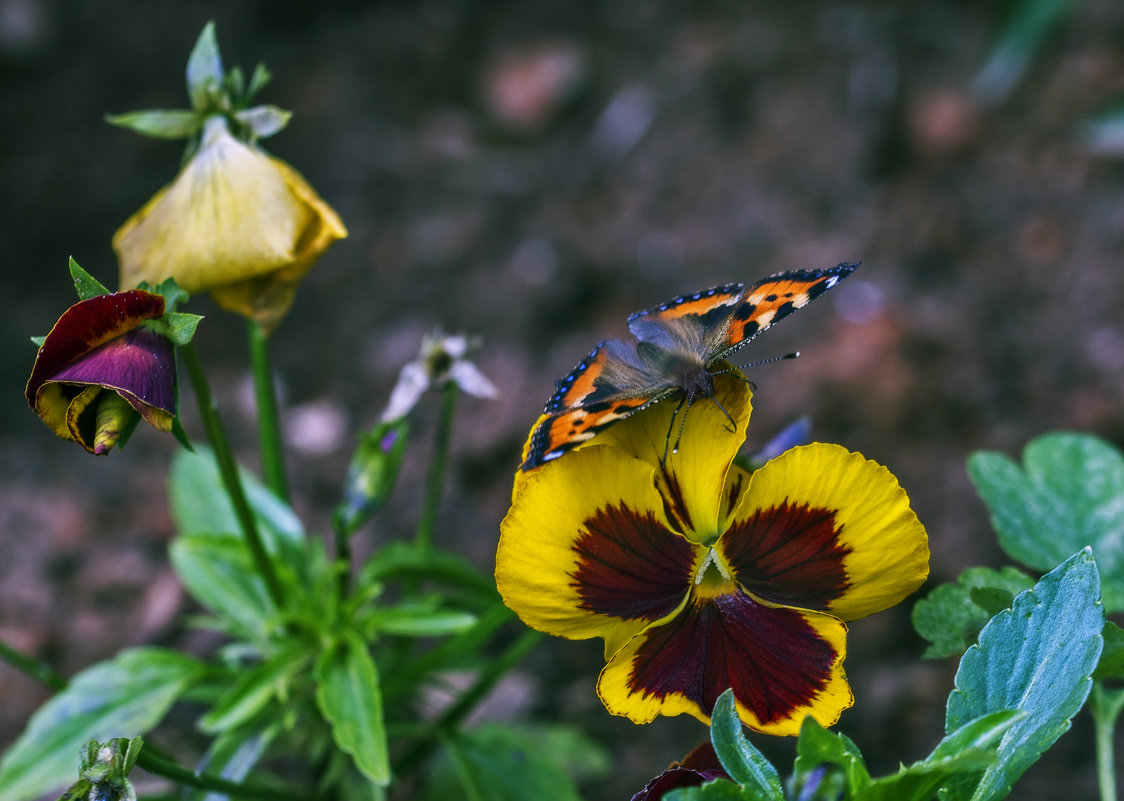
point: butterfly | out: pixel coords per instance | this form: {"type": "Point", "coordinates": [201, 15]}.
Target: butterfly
{"type": "Point", "coordinates": [678, 345]}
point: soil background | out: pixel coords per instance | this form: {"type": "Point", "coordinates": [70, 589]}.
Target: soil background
{"type": "Point", "coordinates": [532, 172]}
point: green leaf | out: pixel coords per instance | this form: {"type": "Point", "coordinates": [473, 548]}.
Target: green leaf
{"type": "Point", "coordinates": [348, 695]}
{"type": "Point", "coordinates": [1103, 135]}
{"type": "Point", "coordinates": [421, 621]}
{"type": "Point", "coordinates": [969, 749]}
{"type": "Point", "coordinates": [817, 748]}
{"type": "Point", "coordinates": [951, 616]}
{"type": "Point", "coordinates": [217, 571]}
{"type": "Point", "coordinates": [1037, 657]}
{"type": "Point", "coordinates": [204, 69]}
{"type": "Point", "coordinates": [400, 560]}
{"type": "Point", "coordinates": [719, 790]}
{"type": "Point", "coordinates": [745, 764]}
{"type": "Point", "coordinates": [87, 286]}
{"type": "Point", "coordinates": [254, 687]}
{"type": "Point", "coordinates": [159, 123]}
{"type": "Point", "coordinates": [1111, 665]}
{"type": "Point", "coordinates": [200, 504]}
{"type": "Point", "coordinates": [1068, 495]}
{"type": "Point", "coordinates": [231, 756]}
{"type": "Point", "coordinates": [498, 763]}
{"type": "Point", "coordinates": [126, 696]}
{"type": "Point", "coordinates": [264, 121]}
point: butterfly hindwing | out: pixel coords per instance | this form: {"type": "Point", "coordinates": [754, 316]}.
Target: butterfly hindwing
{"type": "Point", "coordinates": [607, 385]}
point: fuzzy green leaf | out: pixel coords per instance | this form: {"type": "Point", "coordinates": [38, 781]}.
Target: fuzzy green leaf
{"type": "Point", "coordinates": [421, 621]}
{"type": "Point", "coordinates": [204, 69]}
{"type": "Point", "coordinates": [126, 696]}
{"type": "Point", "coordinates": [217, 570]}
{"type": "Point", "coordinates": [180, 326]}
{"type": "Point", "coordinates": [1037, 657]}
{"type": "Point", "coordinates": [159, 123]}
{"type": "Point", "coordinates": [951, 616]}
{"type": "Point", "coordinates": [745, 764]}
{"type": "Point", "coordinates": [349, 698]}
{"type": "Point", "coordinates": [1069, 494]}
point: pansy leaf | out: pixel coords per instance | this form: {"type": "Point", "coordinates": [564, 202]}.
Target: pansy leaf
{"type": "Point", "coordinates": [1037, 657]}
{"type": "Point", "coordinates": [253, 688]}
{"type": "Point", "coordinates": [951, 616]}
{"type": "Point", "coordinates": [159, 123]}
{"type": "Point", "coordinates": [414, 620]}
{"type": "Point", "coordinates": [824, 756]}
{"type": "Point", "coordinates": [199, 503]}
{"type": "Point", "coordinates": [231, 756]}
{"type": "Point", "coordinates": [1068, 494]}
{"type": "Point", "coordinates": [204, 69]}
{"type": "Point", "coordinates": [87, 286]}
{"type": "Point", "coordinates": [720, 790]}
{"type": "Point", "coordinates": [1111, 664]}
{"type": "Point", "coordinates": [217, 571]}
{"type": "Point", "coordinates": [400, 560]}
{"type": "Point", "coordinates": [264, 121]}
{"type": "Point", "coordinates": [349, 698]}
{"type": "Point", "coordinates": [127, 695]}
{"type": "Point", "coordinates": [742, 761]}
{"type": "Point", "coordinates": [969, 749]}
{"type": "Point", "coordinates": [499, 763]}
{"type": "Point", "coordinates": [1028, 25]}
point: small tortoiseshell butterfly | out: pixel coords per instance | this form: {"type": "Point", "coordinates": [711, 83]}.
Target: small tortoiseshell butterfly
{"type": "Point", "coordinates": [678, 345]}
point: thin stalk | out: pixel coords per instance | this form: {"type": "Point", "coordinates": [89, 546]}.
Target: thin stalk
{"type": "Point", "coordinates": [1106, 706]}
{"type": "Point", "coordinates": [37, 670]}
{"type": "Point", "coordinates": [228, 469]}
{"type": "Point", "coordinates": [435, 481]}
{"type": "Point", "coordinates": [270, 443]}
{"type": "Point", "coordinates": [452, 716]}
{"type": "Point", "coordinates": [159, 766]}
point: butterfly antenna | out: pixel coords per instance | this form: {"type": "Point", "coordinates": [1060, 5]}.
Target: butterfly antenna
{"type": "Point", "coordinates": [795, 354]}
{"type": "Point", "coordinates": [671, 425]}
{"type": "Point", "coordinates": [730, 417]}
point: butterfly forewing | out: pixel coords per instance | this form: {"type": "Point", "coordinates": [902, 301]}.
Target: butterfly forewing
{"type": "Point", "coordinates": [769, 301]}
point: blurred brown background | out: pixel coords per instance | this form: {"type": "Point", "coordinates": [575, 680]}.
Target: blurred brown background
{"type": "Point", "coordinates": [532, 172]}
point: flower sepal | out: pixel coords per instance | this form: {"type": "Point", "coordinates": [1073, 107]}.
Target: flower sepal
{"type": "Point", "coordinates": [212, 91]}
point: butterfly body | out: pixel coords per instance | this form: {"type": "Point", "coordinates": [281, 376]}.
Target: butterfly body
{"type": "Point", "coordinates": [678, 345]}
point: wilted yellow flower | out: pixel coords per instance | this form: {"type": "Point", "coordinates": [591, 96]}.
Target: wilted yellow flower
{"type": "Point", "coordinates": [235, 222]}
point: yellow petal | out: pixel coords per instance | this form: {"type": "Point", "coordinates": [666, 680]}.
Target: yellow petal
{"type": "Point", "coordinates": [886, 548]}
{"type": "Point", "coordinates": [586, 550]}
{"type": "Point", "coordinates": [694, 480]}
{"type": "Point", "coordinates": [235, 221]}
{"type": "Point", "coordinates": [783, 665]}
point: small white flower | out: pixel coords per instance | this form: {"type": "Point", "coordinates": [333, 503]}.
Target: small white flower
{"type": "Point", "coordinates": [441, 359]}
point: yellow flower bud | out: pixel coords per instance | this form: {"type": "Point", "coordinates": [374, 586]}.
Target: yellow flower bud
{"type": "Point", "coordinates": [235, 222]}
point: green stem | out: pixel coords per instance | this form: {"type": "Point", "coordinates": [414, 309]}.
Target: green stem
{"type": "Point", "coordinates": [170, 770]}
{"type": "Point", "coordinates": [343, 555]}
{"type": "Point", "coordinates": [269, 420]}
{"type": "Point", "coordinates": [435, 481]}
{"type": "Point", "coordinates": [37, 670]}
{"type": "Point", "coordinates": [1106, 706]}
{"type": "Point", "coordinates": [452, 716]}
{"type": "Point", "coordinates": [228, 469]}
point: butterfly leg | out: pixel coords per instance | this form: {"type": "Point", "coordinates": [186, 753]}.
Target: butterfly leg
{"type": "Point", "coordinates": [671, 425]}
